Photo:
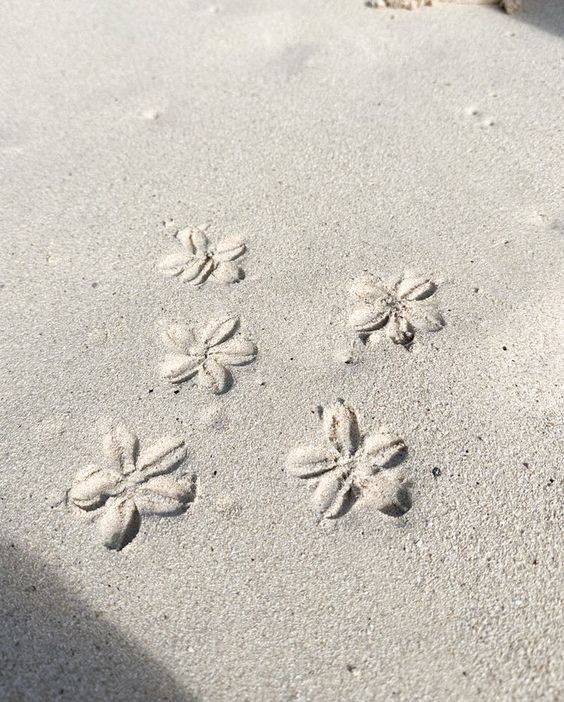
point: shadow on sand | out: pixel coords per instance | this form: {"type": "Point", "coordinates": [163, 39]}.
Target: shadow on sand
{"type": "Point", "coordinates": [544, 14]}
{"type": "Point", "coordinates": [54, 647]}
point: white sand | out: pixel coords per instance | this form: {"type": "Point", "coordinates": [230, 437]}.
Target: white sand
{"type": "Point", "coordinates": [335, 140]}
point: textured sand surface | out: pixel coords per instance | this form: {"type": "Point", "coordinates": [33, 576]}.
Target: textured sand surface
{"type": "Point", "coordinates": [336, 140]}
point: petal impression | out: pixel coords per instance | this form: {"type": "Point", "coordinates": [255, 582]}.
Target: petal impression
{"type": "Point", "coordinates": [229, 249]}
{"type": "Point", "coordinates": [227, 272]}
{"type": "Point", "coordinates": [219, 329]}
{"type": "Point", "coordinates": [184, 236]}
{"type": "Point", "coordinates": [368, 290]}
{"type": "Point", "coordinates": [399, 330]}
{"type": "Point", "coordinates": [178, 367]}
{"type": "Point", "coordinates": [415, 288]}
{"type": "Point", "coordinates": [91, 488]}
{"type": "Point", "coordinates": [204, 274]}
{"type": "Point", "coordinates": [369, 317]}
{"type": "Point", "coordinates": [175, 263]}
{"type": "Point", "coordinates": [199, 241]}
{"type": "Point", "coordinates": [197, 271]}
{"type": "Point", "coordinates": [331, 494]}
{"type": "Point", "coordinates": [161, 457]}
{"type": "Point", "coordinates": [309, 461]}
{"type": "Point", "coordinates": [121, 446]}
{"type": "Point", "coordinates": [179, 338]}
{"type": "Point", "coordinates": [341, 428]}
{"type": "Point", "coordinates": [237, 351]}
{"type": "Point", "coordinates": [163, 495]}
{"type": "Point", "coordinates": [425, 316]}
{"type": "Point", "coordinates": [119, 524]}
{"type": "Point", "coordinates": [214, 376]}
{"type": "Point", "coordinates": [384, 448]}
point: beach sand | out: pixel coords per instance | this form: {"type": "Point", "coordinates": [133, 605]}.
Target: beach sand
{"type": "Point", "coordinates": [335, 141]}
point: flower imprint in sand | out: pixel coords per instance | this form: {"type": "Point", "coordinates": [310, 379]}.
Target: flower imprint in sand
{"type": "Point", "coordinates": [133, 484]}
{"type": "Point", "coordinates": [199, 259]}
{"type": "Point", "coordinates": [352, 464]}
{"type": "Point", "coordinates": [401, 308]}
{"type": "Point", "coordinates": [207, 353]}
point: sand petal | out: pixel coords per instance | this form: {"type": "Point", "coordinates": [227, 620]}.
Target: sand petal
{"type": "Point", "coordinates": [162, 495]}
{"type": "Point", "coordinates": [179, 367]}
{"type": "Point", "coordinates": [368, 290]}
{"type": "Point", "coordinates": [185, 238]}
{"type": "Point", "coordinates": [415, 288]}
{"type": "Point", "coordinates": [214, 376]}
{"type": "Point", "coordinates": [309, 461]}
{"type": "Point", "coordinates": [91, 488]}
{"type": "Point", "coordinates": [119, 524]}
{"type": "Point", "coordinates": [227, 272]}
{"type": "Point", "coordinates": [229, 249]}
{"type": "Point", "coordinates": [200, 241]}
{"type": "Point", "coordinates": [425, 316]}
{"type": "Point", "coordinates": [175, 263]}
{"type": "Point", "coordinates": [235, 352]}
{"type": "Point", "coordinates": [219, 329]}
{"type": "Point", "coordinates": [121, 446]}
{"type": "Point", "coordinates": [399, 330]}
{"type": "Point", "coordinates": [197, 271]}
{"type": "Point", "coordinates": [161, 457]}
{"type": "Point", "coordinates": [369, 318]}
{"type": "Point", "coordinates": [390, 493]}
{"type": "Point", "coordinates": [383, 449]}
{"type": "Point", "coordinates": [204, 274]}
{"type": "Point", "coordinates": [179, 338]}
{"type": "Point", "coordinates": [331, 494]}
{"type": "Point", "coordinates": [341, 428]}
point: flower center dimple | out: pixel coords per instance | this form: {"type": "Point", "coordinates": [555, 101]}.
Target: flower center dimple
{"type": "Point", "coordinates": [348, 463]}
{"type": "Point", "coordinates": [133, 480]}
{"type": "Point", "coordinates": [344, 469]}
{"type": "Point", "coordinates": [199, 351]}
{"type": "Point", "coordinates": [395, 303]}
{"type": "Point", "coordinates": [203, 257]}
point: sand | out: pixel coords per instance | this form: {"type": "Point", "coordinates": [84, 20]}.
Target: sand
{"type": "Point", "coordinates": [332, 141]}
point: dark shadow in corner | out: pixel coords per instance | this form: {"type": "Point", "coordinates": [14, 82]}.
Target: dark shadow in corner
{"type": "Point", "coordinates": [544, 14]}
{"type": "Point", "coordinates": [54, 647]}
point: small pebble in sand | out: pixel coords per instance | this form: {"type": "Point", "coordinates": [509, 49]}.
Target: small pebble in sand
{"type": "Point", "coordinates": [151, 114]}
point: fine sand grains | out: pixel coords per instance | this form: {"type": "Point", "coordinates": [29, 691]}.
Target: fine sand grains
{"type": "Point", "coordinates": [223, 474]}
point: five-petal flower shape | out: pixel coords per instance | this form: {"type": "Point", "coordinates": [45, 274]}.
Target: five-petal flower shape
{"type": "Point", "coordinates": [199, 260]}
{"type": "Point", "coordinates": [402, 307]}
{"type": "Point", "coordinates": [134, 484]}
{"type": "Point", "coordinates": [206, 354]}
{"type": "Point", "coordinates": [350, 464]}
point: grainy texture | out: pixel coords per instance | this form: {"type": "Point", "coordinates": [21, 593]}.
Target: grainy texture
{"type": "Point", "coordinates": [337, 142]}
{"type": "Point", "coordinates": [510, 6]}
